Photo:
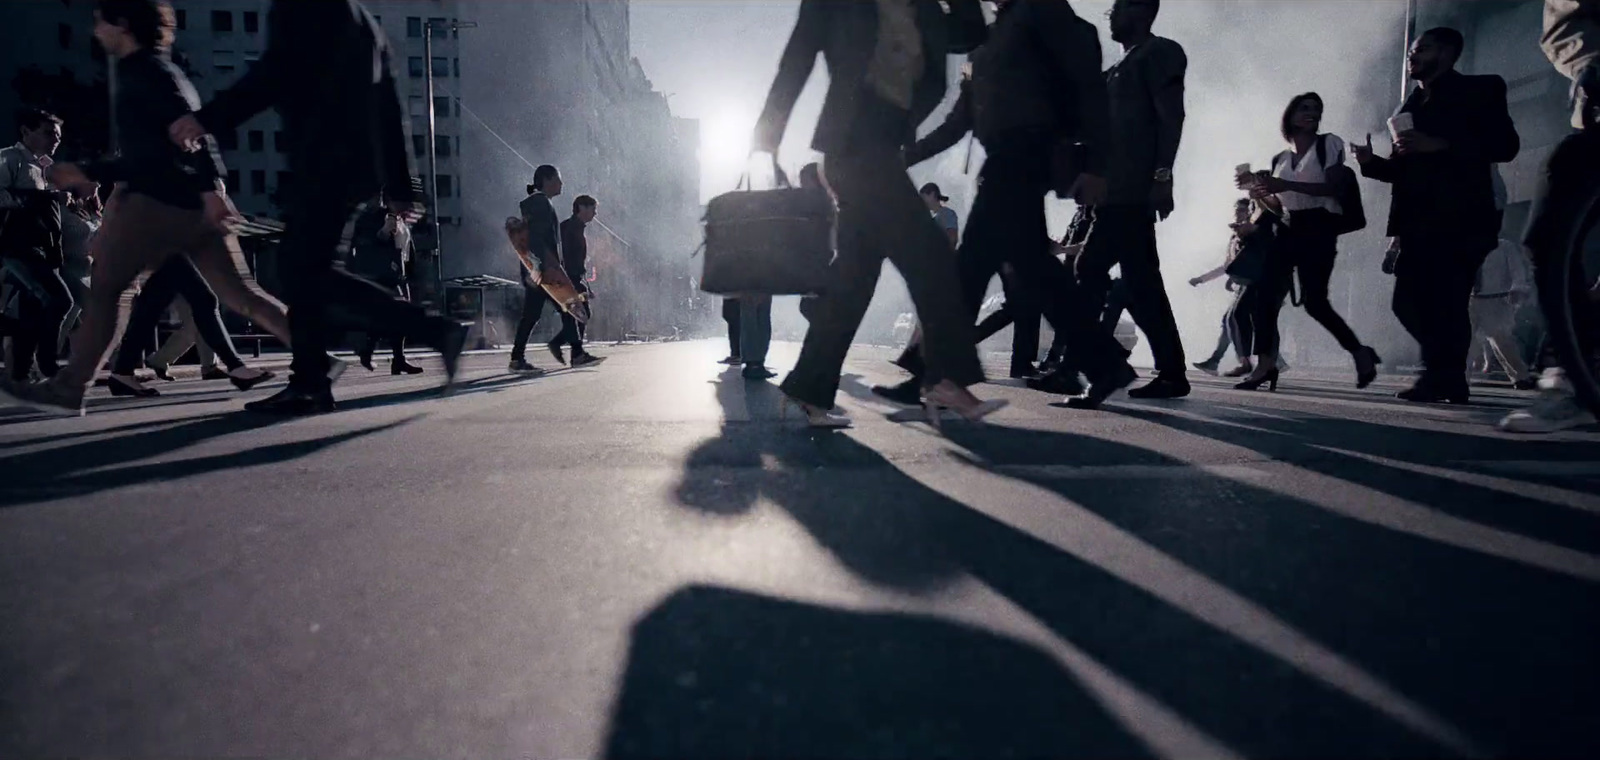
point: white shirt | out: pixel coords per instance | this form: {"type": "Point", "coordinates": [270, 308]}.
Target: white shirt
{"type": "Point", "coordinates": [20, 169]}
{"type": "Point", "coordinates": [1307, 169]}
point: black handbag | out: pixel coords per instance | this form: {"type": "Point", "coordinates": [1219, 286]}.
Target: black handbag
{"type": "Point", "coordinates": [768, 242]}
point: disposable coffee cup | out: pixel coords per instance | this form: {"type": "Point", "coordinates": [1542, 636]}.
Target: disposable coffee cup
{"type": "Point", "coordinates": [1241, 169]}
{"type": "Point", "coordinates": [1401, 124]}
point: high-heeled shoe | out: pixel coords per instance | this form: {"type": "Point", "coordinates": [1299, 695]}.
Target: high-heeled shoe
{"type": "Point", "coordinates": [1367, 361]}
{"type": "Point", "coordinates": [1268, 378]}
{"type": "Point", "coordinates": [948, 395]}
{"type": "Point", "coordinates": [816, 416]}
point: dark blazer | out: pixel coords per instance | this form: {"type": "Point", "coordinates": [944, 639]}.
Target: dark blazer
{"type": "Point", "coordinates": [152, 93]}
{"type": "Point", "coordinates": [1449, 195]}
{"type": "Point", "coordinates": [845, 32]}
{"type": "Point", "coordinates": [328, 71]}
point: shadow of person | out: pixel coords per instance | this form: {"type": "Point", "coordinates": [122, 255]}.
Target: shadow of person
{"type": "Point", "coordinates": [892, 530]}
{"type": "Point", "coordinates": [1501, 650]}
{"type": "Point", "coordinates": [90, 467]}
{"type": "Point", "coordinates": [715, 672]}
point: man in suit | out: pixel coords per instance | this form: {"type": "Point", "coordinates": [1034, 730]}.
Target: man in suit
{"type": "Point", "coordinates": [1025, 100]}
{"type": "Point", "coordinates": [886, 73]}
{"type": "Point", "coordinates": [327, 70]}
{"type": "Point", "coordinates": [1443, 216]}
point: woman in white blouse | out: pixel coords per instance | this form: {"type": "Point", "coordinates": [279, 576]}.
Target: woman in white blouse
{"type": "Point", "coordinates": [1301, 191]}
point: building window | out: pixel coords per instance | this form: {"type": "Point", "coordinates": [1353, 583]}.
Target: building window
{"type": "Point", "coordinates": [441, 145]}
{"type": "Point", "coordinates": [252, 22]}
{"type": "Point", "coordinates": [257, 140]}
{"type": "Point", "coordinates": [277, 141]}
{"type": "Point", "coordinates": [414, 27]}
{"type": "Point", "coordinates": [441, 106]}
{"type": "Point", "coordinates": [233, 180]}
{"type": "Point", "coordinates": [446, 186]}
{"type": "Point", "coordinates": [182, 19]}
{"type": "Point", "coordinates": [414, 63]}
{"type": "Point", "coordinates": [258, 182]}
{"type": "Point", "coordinates": [285, 181]}
{"type": "Point", "coordinates": [64, 36]}
{"type": "Point", "coordinates": [222, 21]}
{"type": "Point", "coordinates": [419, 145]}
{"type": "Point", "coordinates": [439, 28]}
{"type": "Point", "coordinates": [457, 62]}
{"type": "Point", "coordinates": [415, 106]}
{"type": "Point", "coordinates": [228, 140]}
{"type": "Point", "coordinates": [224, 60]}
{"type": "Point", "coordinates": [441, 67]}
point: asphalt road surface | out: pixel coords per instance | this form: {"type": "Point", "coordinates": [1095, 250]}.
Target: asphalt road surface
{"type": "Point", "coordinates": [642, 559]}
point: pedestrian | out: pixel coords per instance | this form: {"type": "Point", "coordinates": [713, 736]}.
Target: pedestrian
{"type": "Point", "coordinates": [1308, 189]}
{"type": "Point", "coordinates": [544, 251]}
{"type": "Point", "coordinates": [382, 253]}
{"type": "Point", "coordinates": [168, 201]}
{"type": "Point", "coordinates": [1237, 332]}
{"type": "Point", "coordinates": [80, 221]}
{"type": "Point", "coordinates": [943, 215]}
{"type": "Point", "coordinates": [31, 244]}
{"type": "Point", "coordinates": [1449, 133]}
{"type": "Point", "coordinates": [328, 72]}
{"type": "Point", "coordinates": [575, 262]}
{"type": "Point", "coordinates": [886, 72]}
{"type": "Point", "coordinates": [1024, 103]}
{"type": "Point", "coordinates": [1571, 41]}
{"type": "Point", "coordinates": [1147, 113]}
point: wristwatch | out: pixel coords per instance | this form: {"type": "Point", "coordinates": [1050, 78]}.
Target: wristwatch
{"type": "Point", "coordinates": [1163, 175]}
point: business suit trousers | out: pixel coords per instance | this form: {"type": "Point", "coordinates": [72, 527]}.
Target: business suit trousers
{"type": "Point", "coordinates": [43, 302]}
{"type": "Point", "coordinates": [1432, 292]}
{"type": "Point", "coordinates": [882, 217]}
{"type": "Point", "coordinates": [1126, 236]}
{"type": "Point", "coordinates": [317, 232]}
{"type": "Point", "coordinates": [178, 276]}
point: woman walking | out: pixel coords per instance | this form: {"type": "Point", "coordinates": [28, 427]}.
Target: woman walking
{"type": "Point", "coordinates": [1303, 191]}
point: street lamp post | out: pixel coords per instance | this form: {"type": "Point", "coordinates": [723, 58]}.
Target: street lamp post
{"type": "Point", "coordinates": [433, 157]}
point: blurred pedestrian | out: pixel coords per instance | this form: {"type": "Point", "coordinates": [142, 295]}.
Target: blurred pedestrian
{"type": "Point", "coordinates": [30, 243]}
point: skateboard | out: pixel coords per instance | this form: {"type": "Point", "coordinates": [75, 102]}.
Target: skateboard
{"type": "Point", "coordinates": [555, 282]}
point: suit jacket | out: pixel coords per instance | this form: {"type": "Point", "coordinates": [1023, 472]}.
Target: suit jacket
{"type": "Point", "coordinates": [1450, 195]}
{"type": "Point", "coordinates": [328, 71]}
{"type": "Point", "coordinates": [846, 33]}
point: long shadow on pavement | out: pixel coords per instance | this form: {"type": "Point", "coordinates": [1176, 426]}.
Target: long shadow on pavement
{"type": "Point", "coordinates": [894, 531]}
{"type": "Point", "coordinates": [1501, 650]}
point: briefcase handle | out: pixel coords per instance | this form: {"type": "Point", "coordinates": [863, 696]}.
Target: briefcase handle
{"type": "Point", "coordinates": [778, 177]}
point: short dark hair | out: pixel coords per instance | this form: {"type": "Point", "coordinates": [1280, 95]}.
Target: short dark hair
{"type": "Point", "coordinates": [583, 201]}
{"type": "Point", "coordinates": [1449, 38]}
{"type": "Point", "coordinates": [34, 118]}
{"type": "Point", "coordinates": [151, 22]}
{"type": "Point", "coordinates": [1284, 127]}
{"type": "Point", "coordinates": [541, 175]}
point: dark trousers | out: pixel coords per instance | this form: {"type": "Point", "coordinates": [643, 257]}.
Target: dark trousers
{"type": "Point", "coordinates": [1308, 246]}
{"type": "Point", "coordinates": [882, 217]}
{"type": "Point", "coordinates": [178, 276]}
{"type": "Point", "coordinates": [317, 230]}
{"type": "Point", "coordinates": [1569, 180]}
{"type": "Point", "coordinates": [1241, 320]}
{"type": "Point", "coordinates": [1024, 339]}
{"type": "Point", "coordinates": [1432, 292]}
{"type": "Point", "coordinates": [731, 314]}
{"type": "Point", "coordinates": [1126, 235]}
{"type": "Point", "coordinates": [43, 302]}
{"type": "Point", "coordinates": [1007, 226]}
{"type": "Point", "coordinates": [533, 301]}
{"type": "Point", "coordinates": [397, 343]}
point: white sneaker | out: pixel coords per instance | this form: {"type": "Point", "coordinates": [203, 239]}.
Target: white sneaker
{"type": "Point", "coordinates": [1552, 411]}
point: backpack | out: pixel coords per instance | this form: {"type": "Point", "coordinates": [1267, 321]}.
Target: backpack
{"type": "Point", "coordinates": [1354, 217]}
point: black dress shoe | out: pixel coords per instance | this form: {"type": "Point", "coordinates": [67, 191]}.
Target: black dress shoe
{"type": "Point", "coordinates": [908, 393]}
{"type": "Point", "coordinates": [1059, 382]}
{"type": "Point", "coordinates": [452, 341]}
{"type": "Point", "coordinates": [403, 367]}
{"type": "Point", "coordinates": [1024, 370]}
{"type": "Point", "coordinates": [1426, 392]}
{"type": "Point", "coordinates": [162, 371]}
{"type": "Point", "coordinates": [120, 387]}
{"type": "Point", "coordinates": [248, 381]}
{"type": "Point", "coordinates": [294, 401]}
{"type": "Point", "coordinates": [213, 372]}
{"type": "Point", "coordinates": [1164, 386]}
{"type": "Point", "coordinates": [1101, 387]}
